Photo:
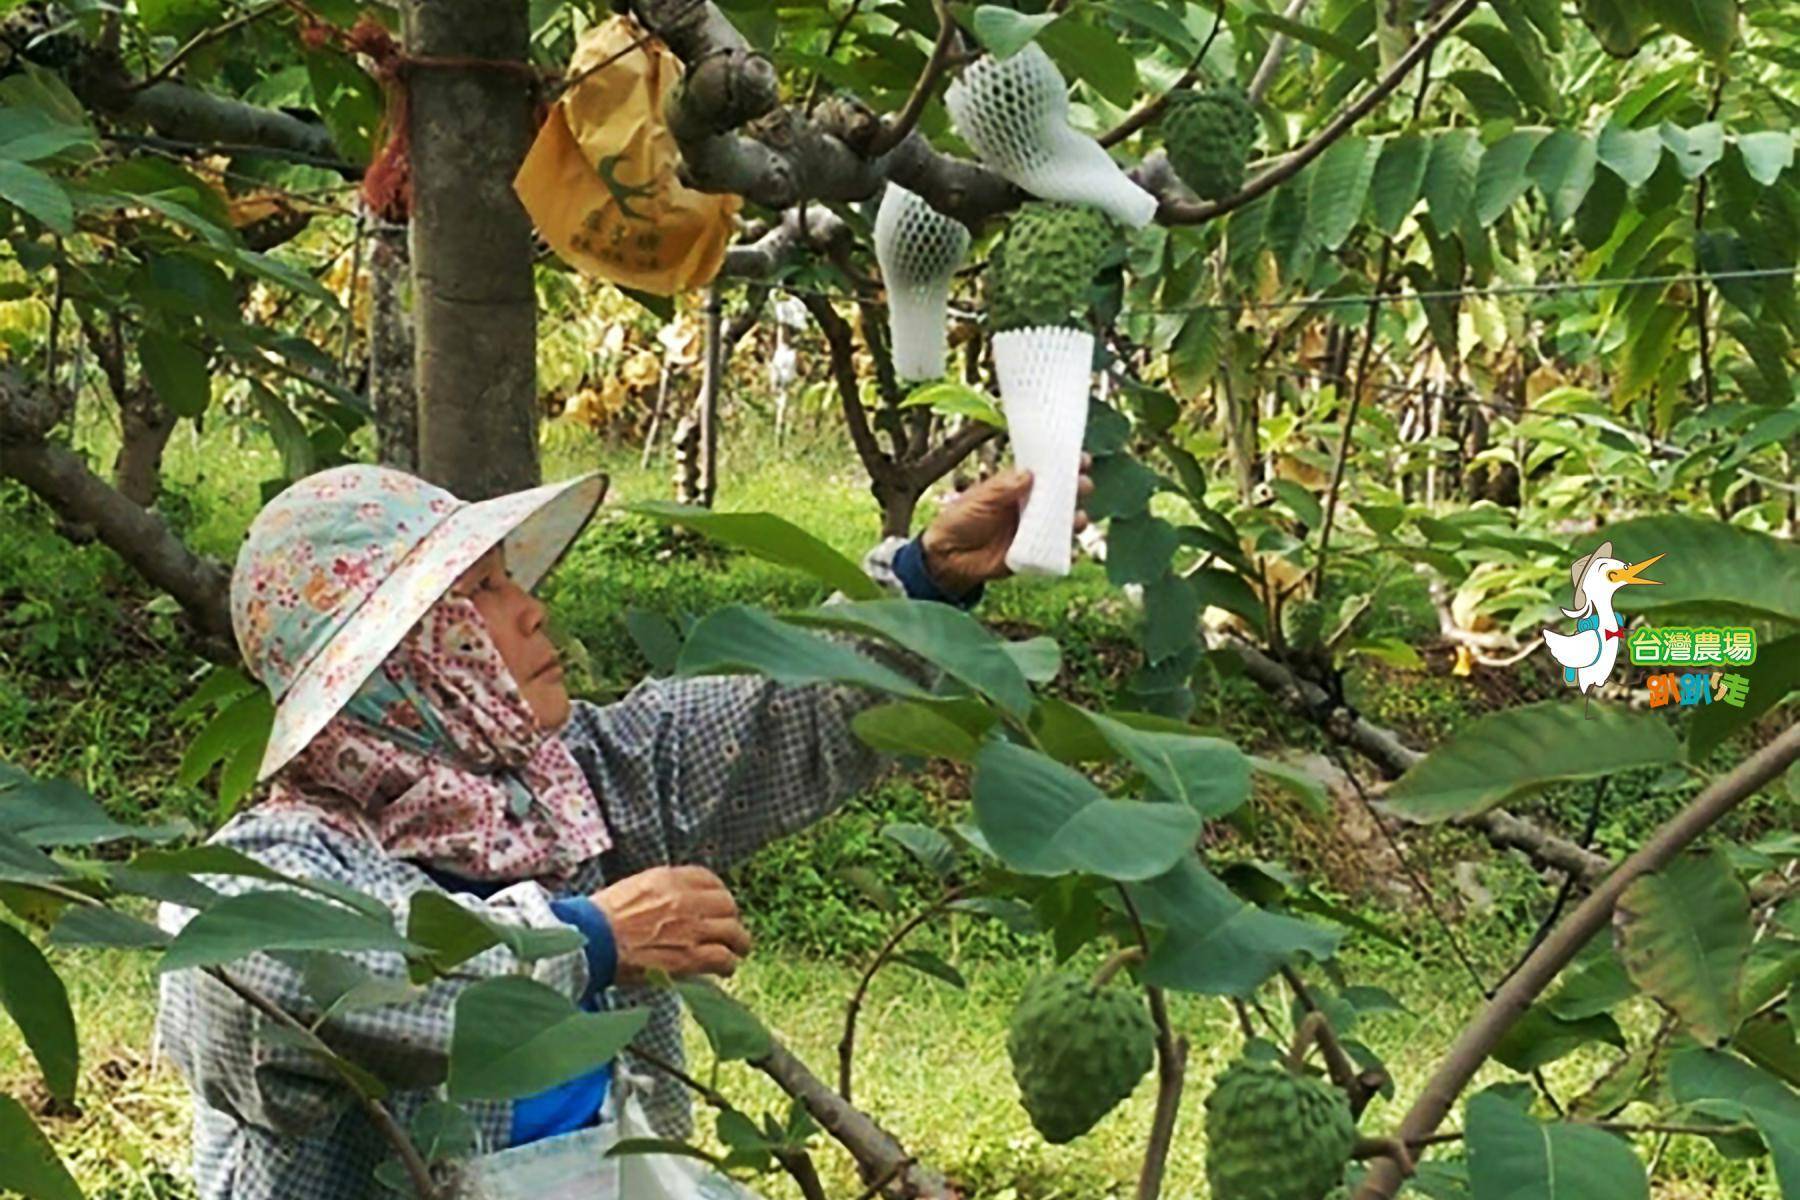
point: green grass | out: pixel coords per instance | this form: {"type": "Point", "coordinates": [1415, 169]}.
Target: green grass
{"type": "Point", "coordinates": [91, 666]}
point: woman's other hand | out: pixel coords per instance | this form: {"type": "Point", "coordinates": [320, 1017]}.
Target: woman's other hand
{"type": "Point", "coordinates": [677, 919]}
{"type": "Point", "coordinates": [966, 545]}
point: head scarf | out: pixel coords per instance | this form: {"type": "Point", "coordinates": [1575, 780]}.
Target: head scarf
{"type": "Point", "coordinates": [441, 759]}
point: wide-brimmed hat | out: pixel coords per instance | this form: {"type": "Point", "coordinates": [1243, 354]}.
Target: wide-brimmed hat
{"type": "Point", "coordinates": [336, 569]}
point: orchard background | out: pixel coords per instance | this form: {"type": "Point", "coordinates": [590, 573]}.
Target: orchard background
{"type": "Point", "coordinates": [1501, 280]}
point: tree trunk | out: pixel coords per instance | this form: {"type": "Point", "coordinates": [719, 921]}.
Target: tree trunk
{"type": "Point", "coordinates": [145, 425]}
{"type": "Point", "coordinates": [471, 247]}
{"type": "Point", "coordinates": [897, 506]}
{"type": "Point", "coordinates": [391, 350]}
{"type": "Point", "coordinates": [711, 378]}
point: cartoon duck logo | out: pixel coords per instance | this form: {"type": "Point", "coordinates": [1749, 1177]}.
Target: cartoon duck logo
{"type": "Point", "coordinates": [1587, 655]}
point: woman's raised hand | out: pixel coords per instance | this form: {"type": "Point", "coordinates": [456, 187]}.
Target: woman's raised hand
{"type": "Point", "coordinates": [679, 919]}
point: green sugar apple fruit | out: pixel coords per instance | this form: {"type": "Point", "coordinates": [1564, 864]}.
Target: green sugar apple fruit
{"type": "Point", "coordinates": [1275, 1135]}
{"type": "Point", "coordinates": [1044, 266]}
{"type": "Point", "coordinates": [1303, 624]}
{"type": "Point", "coordinates": [1077, 1050]}
{"type": "Point", "coordinates": [1208, 136]}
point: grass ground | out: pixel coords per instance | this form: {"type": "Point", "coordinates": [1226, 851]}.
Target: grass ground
{"type": "Point", "coordinates": [90, 669]}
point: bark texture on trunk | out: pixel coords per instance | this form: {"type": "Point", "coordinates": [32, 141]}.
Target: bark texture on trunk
{"type": "Point", "coordinates": [476, 308]}
{"type": "Point", "coordinates": [391, 348]}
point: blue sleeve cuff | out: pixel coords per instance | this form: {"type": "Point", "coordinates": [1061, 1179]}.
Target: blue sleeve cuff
{"type": "Point", "coordinates": [602, 951]}
{"type": "Point", "coordinates": [909, 568]}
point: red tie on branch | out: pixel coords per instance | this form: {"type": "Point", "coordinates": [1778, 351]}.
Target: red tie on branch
{"type": "Point", "coordinates": [387, 184]}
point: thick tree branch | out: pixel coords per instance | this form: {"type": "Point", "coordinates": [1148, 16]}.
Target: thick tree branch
{"type": "Point", "coordinates": [175, 110]}
{"type": "Point", "coordinates": [897, 130]}
{"type": "Point", "coordinates": [62, 480]}
{"type": "Point", "coordinates": [874, 1149]}
{"type": "Point", "coordinates": [805, 227]}
{"type": "Point", "coordinates": [1559, 949]}
{"type": "Point", "coordinates": [1182, 212]}
{"type": "Point", "coordinates": [843, 372]}
{"type": "Point", "coordinates": [782, 157]}
{"type": "Point", "coordinates": [1393, 758]}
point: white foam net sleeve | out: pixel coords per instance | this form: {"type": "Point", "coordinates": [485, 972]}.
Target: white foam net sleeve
{"type": "Point", "coordinates": [1014, 113]}
{"type": "Point", "coordinates": [919, 250]}
{"type": "Point", "coordinates": [1044, 374]}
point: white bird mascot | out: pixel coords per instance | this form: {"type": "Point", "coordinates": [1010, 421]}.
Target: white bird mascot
{"type": "Point", "coordinates": [1587, 655]}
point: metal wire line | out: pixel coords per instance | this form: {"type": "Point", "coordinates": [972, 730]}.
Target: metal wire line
{"type": "Point", "coordinates": [1523, 289]}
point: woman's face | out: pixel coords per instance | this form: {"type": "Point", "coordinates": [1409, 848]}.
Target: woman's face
{"type": "Point", "coordinates": [515, 621]}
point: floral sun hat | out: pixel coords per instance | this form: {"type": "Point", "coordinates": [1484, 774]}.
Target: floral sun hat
{"type": "Point", "coordinates": [336, 569]}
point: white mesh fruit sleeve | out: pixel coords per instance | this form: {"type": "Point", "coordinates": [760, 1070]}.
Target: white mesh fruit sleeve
{"type": "Point", "coordinates": [1044, 374]}
{"type": "Point", "coordinates": [919, 249]}
{"type": "Point", "coordinates": [1014, 113]}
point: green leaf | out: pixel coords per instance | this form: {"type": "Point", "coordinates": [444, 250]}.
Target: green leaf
{"type": "Point", "coordinates": [1399, 174]}
{"type": "Point", "coordinates": [30, 134]}
{"type": "Point", "coordinates": [1004, 31]}
{"type": "Point", "coordinates": [1520, 63]}
{"type": "Point", "coordinates": [1709, 24]}
{"type": "Point", "coordinates": [1450, 176]}
{"type": "Point", "coordinates": [1039, 659]}
{"type": "Point", "coordinates": [932, 849]}
{"type": "Point", "coordinates": [1619, 25]}
{"type": "Point", "coordinates": [37, 195]}
{"type": "Point", "coordinates": [771, 539]}
{"type": "Point", "coordinates": [1122, 487]}
{"type": "Point", "coordinates": [35, 997]}
{"type": "Point", "coordinates": [1766, 154]}
{"type": "Point", "coordinates": [1095, 55]}
{"type": "Point", "coordinates": [1513, 1156]}
{"type": "Point", "coordinates": [625, 1147]}
{"type": "Point", "coordinates": [1516, 750]}
{"type": "Point", "coordinates": [454, 934]}
{"type": "Point", "coordinates": [85, 925]}
{"type": "Point", "coordinates": [1713, 570]}
{"type": "Point", "coordinates": [1042, 818]}
{"type": "Point", "coordinates": [927, 963]}
{"type": "Point", "coordinates": [1139, 548]}
{"type": "Point", "coordinates": [1360, 61]}
{"type": "Point", "coordinates": [514, 1037]}
{"type": "Point", "coordinates": [1694, 149]}
{"type": "Point", "coordinates": [1631, 154]}
{"type": "Point", "coordinates": [28, 1163]}
{"type": "Point", "coordinates": [1594, 983]}
{"type": "Point", "coordinates": [1171, 611]}
{"type": "Point", "coordinates": [944, 636]}
{"type": "Point", "coordinates": [1563, 168]}
{"type": "Point", "coordinates": [246, 924]}
{"type": "Point", "coordinates": [1540, 1037]}
{"type": "Point", "coordinates": [1209, 775]}
{"type": "Point", "coordinates": [1724, 1082]}
{"type": "Point", "coordinates": [1194, 354]}
{"type": "Point", "coordinates": [1503, 178]}
{"type": "Point", "coordinates": [180, 19]}
{"type": "Point", "coordinates": [443, 1131]}
{"type": "Point", "coordinates": [59, 812]}
{"type": "Point", "coordinates": [21, 862]}
{"type": "Point", "coordinates": [953, 399]}
{"type": "Point", "coordinates": [1299, 501]}
{"type": "Point", "coordinates": [177, 371]}
{"type": "Point", "coordinates": [246, 721]}
{"type": "Point", "coordinates": [1684, 936]}
{"type": "Point", "coordinates": [340, 985]}
{"type": "Point", "coordinates": [1216, 944]}
{"type": "Point", "coordinates": [1775, 676]}
{"type": "Point", "coordinates": [1340, 185]}
{"type": "Point", "coordinates": [656, 637]}
{"type": "Point", "coordinates": [733, 1030]}
{"type": "Point", "coordinates": [910, 727]}
{"type": "Point", "coordinates": [737, 639]}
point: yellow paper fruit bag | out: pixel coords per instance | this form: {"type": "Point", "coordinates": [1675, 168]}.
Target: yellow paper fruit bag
{"type": "Point", "coordinates": [600, 180]}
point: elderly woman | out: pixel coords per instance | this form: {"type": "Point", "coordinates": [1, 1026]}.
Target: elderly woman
{"type": "Point", "coordinates": [423, 739]}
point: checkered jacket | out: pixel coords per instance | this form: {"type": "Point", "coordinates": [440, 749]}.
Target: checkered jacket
{"type": "Point", "coordinates": [687, 771]}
